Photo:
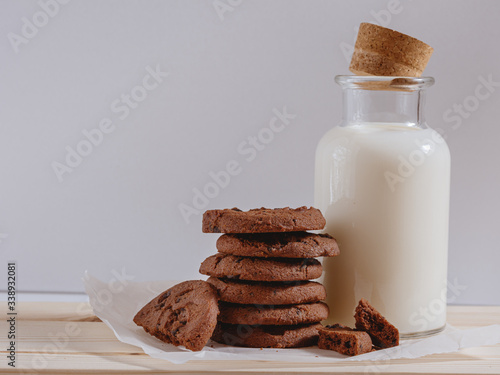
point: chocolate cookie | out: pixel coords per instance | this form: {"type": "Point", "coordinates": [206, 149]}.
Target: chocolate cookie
{"type": "Point", "coordinates": [268, 293]}
{"type": "Point", "coordinates": [263, 220]}
{"type": "Point", "coordinates": [266, 336]}
{"type": "Point", "coordinates": [185, 314]}
{"type": "Point", "coordinates": [344, 340]}
{"type": "Point", "coordinates": [383, 333]}
{"type": "Point", "coordinates": [287, 245]}
{"type": "Point", "coordinates": [258, 269]}
{"type": "Point", "coordinates": [268, 315]}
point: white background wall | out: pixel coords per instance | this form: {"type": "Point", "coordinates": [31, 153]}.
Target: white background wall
{"type": "Point", "coordinates": [119, 208]}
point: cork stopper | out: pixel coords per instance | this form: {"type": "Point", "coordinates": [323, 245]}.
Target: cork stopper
{"type": "Point", "coordinates": [384, 52]}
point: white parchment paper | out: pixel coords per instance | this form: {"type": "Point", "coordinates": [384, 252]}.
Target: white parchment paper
{"type": "Point", "coordinates": [117, 302]}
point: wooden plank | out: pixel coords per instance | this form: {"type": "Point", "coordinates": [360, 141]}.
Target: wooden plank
{"type": "Point", "coordinates": [466, 362]}
{"type": "Point", "coordinates": [64, 311]}
{"type": "Point", "coordinates": [62, 338]}
{"type": "Point", "coordinates": [73, 311]}
{"type": "Point", "coordinates": [473, 316]}
{"type": "Point", "coordinates": [68, 337]}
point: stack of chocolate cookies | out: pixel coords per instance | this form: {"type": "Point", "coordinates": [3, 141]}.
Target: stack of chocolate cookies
{"type": "Point", "coordinates": [262, 274]}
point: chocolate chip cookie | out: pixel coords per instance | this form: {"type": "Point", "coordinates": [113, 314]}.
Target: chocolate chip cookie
{"type": "Point", "coordinates": [287, 245]}
{"type": "Point", "coordinates": [268, 293]}
{"type": "Point", "coordinates": [260, 269]}
{"type": "Point", "coordinates": [266, 336]}
{"type": "Point", "coordinates": [262, 220]}
{"type": "Point", "coordinates": [269, 315]}
{"type": "Point", "coordinates": [185, 314]}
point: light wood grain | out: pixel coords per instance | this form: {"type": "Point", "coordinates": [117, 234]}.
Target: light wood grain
{"type": "Point", "coordinates": [63, 338]}
{"type": "Point", "coordinates": [56, 311]}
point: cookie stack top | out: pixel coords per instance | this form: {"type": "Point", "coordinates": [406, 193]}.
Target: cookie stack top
{"type": "Point", "coordinates": [263, 220]}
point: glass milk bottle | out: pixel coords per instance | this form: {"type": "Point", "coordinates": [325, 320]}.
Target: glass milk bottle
{"type": "Point", "coordinates": [382, 181]}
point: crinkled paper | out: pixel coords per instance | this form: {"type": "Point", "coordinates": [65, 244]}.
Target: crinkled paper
{"type": "Point", "coordinates": [116, 305]}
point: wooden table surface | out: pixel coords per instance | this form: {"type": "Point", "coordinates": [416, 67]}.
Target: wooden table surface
{"type": "Point", "coordinates": [66, 338]}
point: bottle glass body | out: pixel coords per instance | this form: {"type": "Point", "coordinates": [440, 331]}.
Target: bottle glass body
{"type": "Point", "coordinates": [382, 181]}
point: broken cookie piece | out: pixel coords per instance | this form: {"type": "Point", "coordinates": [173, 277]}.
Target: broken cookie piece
{"type": "Point", "coordinates": [382, 333]}
{"type": "Point", "coordinates": [344, 340]}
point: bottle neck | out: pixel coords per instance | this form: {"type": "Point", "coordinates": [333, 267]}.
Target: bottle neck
{"type": "Point", "coordinates": [363, 106]}
{"type": "Point", "coordinates": [401, 107]}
